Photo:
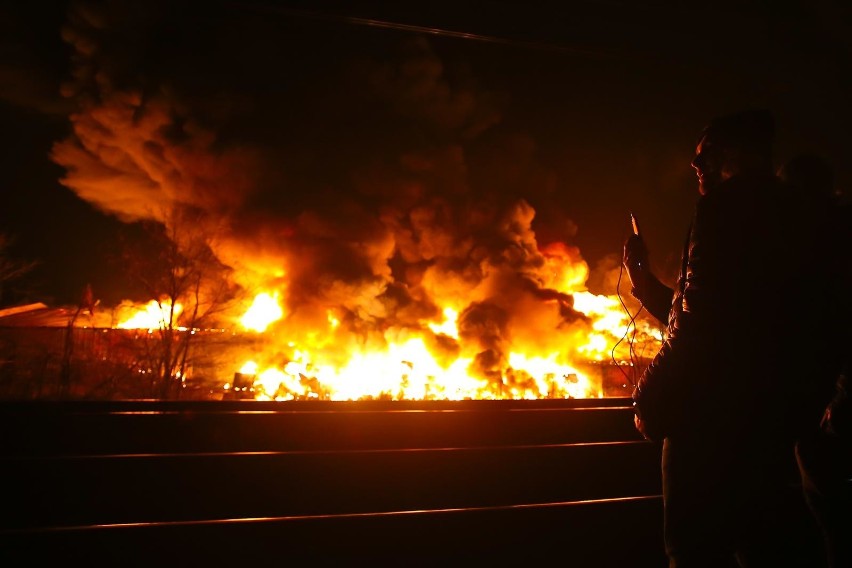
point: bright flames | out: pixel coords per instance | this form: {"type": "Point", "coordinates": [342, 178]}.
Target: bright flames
{"type": "Point", "coordinates": [155, 315]}
{"type": "Point", "coordinates": [551, 343]}
{"type": "Point", "coordinates": [414, 364]}
{"type": "Point", "coordinates": [264, 310]}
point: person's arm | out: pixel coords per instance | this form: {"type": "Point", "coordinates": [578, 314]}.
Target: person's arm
{"type": "Point", "coordinates": [655, 296]}
{"type": "Point", "coordinates": [668, 389]}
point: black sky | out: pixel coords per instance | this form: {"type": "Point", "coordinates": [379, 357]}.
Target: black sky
{"type": "Point", "coordinates": [587, 111]}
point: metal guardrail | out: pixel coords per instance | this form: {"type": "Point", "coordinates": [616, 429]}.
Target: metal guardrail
{"type": "Point", "coordinates": [192, 483]}
{"type": "Point", "coordinates": [607, 533]}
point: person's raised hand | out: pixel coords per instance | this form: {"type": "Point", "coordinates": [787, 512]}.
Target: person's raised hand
{"type": "Point", "coordinates": [635, 258]}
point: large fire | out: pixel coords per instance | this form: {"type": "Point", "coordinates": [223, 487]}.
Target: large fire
{"type": "Point", "coordinates": [378, 243]}
{"type": "Point", "coordinates": [545, 357]}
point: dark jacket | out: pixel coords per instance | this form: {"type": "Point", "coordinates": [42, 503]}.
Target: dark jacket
{"type": "Point", "coordinates": [748, 350]}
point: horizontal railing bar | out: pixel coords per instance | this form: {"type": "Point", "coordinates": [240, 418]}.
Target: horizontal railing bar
{"type": "Point", "coordinates": [591, 534]}
{"type": "Point", "coordinates": [83, 434]}
{"type": "Point", "coordinates": [315, 517]}
{"type": "Point", "coordinates": [301, 405]}
{"type": "Point", "coordinates": [10, 461]}
{"type": "Point", "coordinates": [73, 490]}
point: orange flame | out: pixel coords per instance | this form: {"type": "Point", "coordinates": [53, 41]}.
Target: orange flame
{"type": "Point", "coordinates": [154, 315]}
{"type": "Point", "coordinates": [433, 362]}
{"type": "Point", "coordinates": [541, 337]}
{"type": "Point", "coordinates": [263, 311]}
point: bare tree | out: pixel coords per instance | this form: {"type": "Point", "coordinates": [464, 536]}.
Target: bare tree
{"type": "Point", "coordinates": [190, 285]}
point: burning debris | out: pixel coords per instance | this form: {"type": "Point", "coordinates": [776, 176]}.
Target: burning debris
{"type": "Point", "coordinates": [433, 361]}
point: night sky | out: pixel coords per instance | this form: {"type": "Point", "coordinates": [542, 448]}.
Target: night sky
{"type": "Point", "coordinates": [299, 126]}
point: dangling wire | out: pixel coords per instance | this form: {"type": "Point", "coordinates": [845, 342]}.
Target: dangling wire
{"type": "Point", "coordinates": [629, 334]}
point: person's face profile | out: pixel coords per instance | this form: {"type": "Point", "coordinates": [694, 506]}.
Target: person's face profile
{"type": "Point", "coordinates": [708, 163]}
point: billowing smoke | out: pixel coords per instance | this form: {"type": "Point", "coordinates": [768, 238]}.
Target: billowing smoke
{"type": "Point", "coordinates": [340, 178]}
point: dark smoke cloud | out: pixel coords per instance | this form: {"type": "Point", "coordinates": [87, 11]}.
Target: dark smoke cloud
{"type": "Point", "coordinates": [31, 60]}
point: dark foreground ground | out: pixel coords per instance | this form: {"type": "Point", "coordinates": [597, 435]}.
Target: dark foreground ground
{"type": "Point", "coordinates": [145, 483]}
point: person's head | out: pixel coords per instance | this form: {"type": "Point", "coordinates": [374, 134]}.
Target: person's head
{"type": "Point", "coordinates": [732, 145]}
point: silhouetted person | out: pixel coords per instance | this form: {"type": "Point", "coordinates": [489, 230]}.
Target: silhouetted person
{"type": "Point", "coordinates": [743, 371]}
{"type": "Point", "coordinates": [825, 456]}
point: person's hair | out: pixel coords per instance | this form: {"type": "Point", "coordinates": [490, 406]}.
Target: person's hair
{"type": "Point", "coordinates": [747, 136]}
{"type": "Point", "coordinates": [747, 129]}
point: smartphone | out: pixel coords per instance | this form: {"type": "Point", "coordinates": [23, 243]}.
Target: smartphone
{"type": "Point", "coordinates": [635, 224]}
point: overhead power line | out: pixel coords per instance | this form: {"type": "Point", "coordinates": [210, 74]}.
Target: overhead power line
{"type": "Point", "coordinates": [428, 30]}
